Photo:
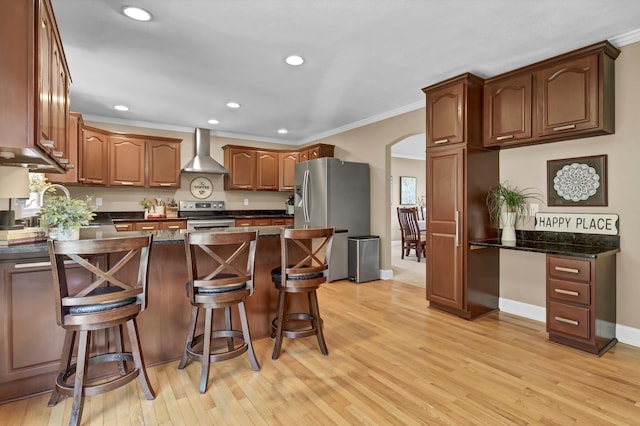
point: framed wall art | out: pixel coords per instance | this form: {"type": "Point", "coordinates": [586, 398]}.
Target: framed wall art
{"type": "Point", "coordinates": [408, 190]}
{"type": "Point", "coordinates": [580, 181]}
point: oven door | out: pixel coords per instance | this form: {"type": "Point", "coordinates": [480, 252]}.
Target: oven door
{"type": "Point", "coordinates": [206, 225]}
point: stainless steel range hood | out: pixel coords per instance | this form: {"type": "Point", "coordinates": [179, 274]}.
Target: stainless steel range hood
{"type": "Point", "coordinates": [202, 161]}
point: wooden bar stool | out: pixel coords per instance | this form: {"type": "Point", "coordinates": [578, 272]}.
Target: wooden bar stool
{"type": "Point", "coordinates": [228, 259]}
{"type": "Point", "coordinates": [301, 276]}
{"type": "Point", "coordinates": [119, 269]}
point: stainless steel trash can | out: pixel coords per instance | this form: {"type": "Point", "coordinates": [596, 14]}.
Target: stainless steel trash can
{"type": "Point", "coordinates": [364, 258]}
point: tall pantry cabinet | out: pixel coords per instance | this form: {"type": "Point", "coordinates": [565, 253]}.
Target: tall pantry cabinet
{"type": "Point", "coordinates": [460, 172]}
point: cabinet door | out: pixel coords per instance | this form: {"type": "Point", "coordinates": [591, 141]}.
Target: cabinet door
{"type": "Point", "coordinates": [73, 139]}
{"type": "Point", "coordinates": [59, 106]}
{"type": "Point", "coordinates": [445, 209]}
{"type": "Point", "coordinates": [567, 96]}
{"type": "Point", "coordinates": [122, 227]}
{"type": "Point", "coordinates": [173, 225]}
{"type": "Point", "coordinates": [507, 110]}
{"type": "Point", "coordinates": [242, 167]}
{"type": "Point", "coordinates": [45, 40]}
{"type": "Point", "coordinates": [30, 339]}
{"type": "Point", "coordinates": [163, 164]}
{"type": "Point", "coordinates": [126, 157]}
{"type": "Point", "coordinates": [267, 177]}
{"type": "Point", "coordinates": [146, 226]}
{"type": "Point", "coordinates": [287, 169]}
{"type": "Point", "coordinates": [94, 151]}
{"type": "Point", "coordinates": [445, 115]}
{"type": "Point", "coordinates": [304, 156]}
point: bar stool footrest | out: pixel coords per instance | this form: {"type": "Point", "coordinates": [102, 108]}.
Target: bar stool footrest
{"type": "Point", "coordinates": [219, 356]}
{"type": "Point", "coordinates": [292, 330]}
{"type": "Point", "coordinates": [89, 389]}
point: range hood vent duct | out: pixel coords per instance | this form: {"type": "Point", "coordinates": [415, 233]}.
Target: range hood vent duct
{"type": "Point", "coordinates": [202, 161]}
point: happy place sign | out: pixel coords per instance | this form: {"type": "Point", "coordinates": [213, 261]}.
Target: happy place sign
{"type": "Point", "coordinates": [582, 223]}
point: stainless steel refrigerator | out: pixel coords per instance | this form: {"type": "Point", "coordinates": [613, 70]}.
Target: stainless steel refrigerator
{"type": "Point", "coordinates": [331, 192]}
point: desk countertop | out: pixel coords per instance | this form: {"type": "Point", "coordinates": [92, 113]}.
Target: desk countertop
{"type": "Point", "coordinates": [576, 245]}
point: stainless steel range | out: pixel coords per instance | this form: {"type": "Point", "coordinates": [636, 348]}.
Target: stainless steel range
{"type": "Point", "coordinates": [202, 215]}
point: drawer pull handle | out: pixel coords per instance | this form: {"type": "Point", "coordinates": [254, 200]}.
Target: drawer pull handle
{"type": "Point", "coordinates": [173, 227]}
{"type": "Point", "coordinates": [567, 292]}
{"type": "Point", "coordinates": [441, 141]}
{"type": "Point", "coordinates": [48, 144]}
{"type": "Point", "coordinates": [566, 320]}
{"type": "Point", "coordinates": [147, 228]}
{"type": "Point", "coordinates": [165, 184]}
{"type": "Point", "coordinates": [126, 183]}
{"type": "Point", "coordinates": [505, 137]}
{"type": "Point", "coordinates": [570, 270]}
{"type": "Point", "coordinates": [39, 264]}
{"type": "Point", "coordinates": [567, 127]}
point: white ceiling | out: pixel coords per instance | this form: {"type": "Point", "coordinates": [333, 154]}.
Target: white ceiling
{"type": "Point", "coordinates": [365, 59]}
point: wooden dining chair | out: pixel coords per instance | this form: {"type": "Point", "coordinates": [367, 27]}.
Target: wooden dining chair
{"type": "Point", "coordinates": [302, 273]}
{"type": "Point", "coordinates": [412, 237]}
{"type": "Point", "coordinates": [119, 270]}
{"type": "Point", "coordinates": [220, 275]}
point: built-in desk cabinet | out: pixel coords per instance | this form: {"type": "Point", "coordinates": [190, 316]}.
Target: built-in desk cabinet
{"type": "Point", "coordinates": [460, 171]}
{"type": "Point", "coordinates": [581, 302]}
{"type": "Point", "coordinates": [566, 97]}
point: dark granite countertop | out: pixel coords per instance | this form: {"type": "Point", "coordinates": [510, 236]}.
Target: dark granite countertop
{"type": "Point", "coordinates": [138, 216]}
{"type": "Point", "coordinates": [564, 244]}
{"type": "Point", "coordinates": [160, 237]}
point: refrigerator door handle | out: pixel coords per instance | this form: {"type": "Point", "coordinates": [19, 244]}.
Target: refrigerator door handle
{"type": "Point", "coordinates": [305, 196]}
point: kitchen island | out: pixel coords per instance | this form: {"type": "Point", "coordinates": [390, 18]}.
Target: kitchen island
{"type": "Point", "coordinates": [31, 341]}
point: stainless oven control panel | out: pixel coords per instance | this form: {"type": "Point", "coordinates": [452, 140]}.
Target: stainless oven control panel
{"type": "Point", "coordinates": [201, 206]}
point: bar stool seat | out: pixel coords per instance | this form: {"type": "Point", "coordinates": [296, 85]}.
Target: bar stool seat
{"type": "Point", "coordinates": [228, 259]}
{"type": "Point", "coordinates": [115, 297]}
{"type": "Point", "coordinates": [302, 274]}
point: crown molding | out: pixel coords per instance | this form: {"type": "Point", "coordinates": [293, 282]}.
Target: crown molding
{"type": "Point", "coordinates": [626, 38]}
{"type": "Point", "coordinates": [373, 119]}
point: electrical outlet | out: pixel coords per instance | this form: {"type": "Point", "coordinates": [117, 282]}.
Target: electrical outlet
{"type": "Point", "coordinates": [534, 208]}
{"type": "Point", "coordinates": [98, 201]}
{"type": "Point", "coordinates": [246, 201]}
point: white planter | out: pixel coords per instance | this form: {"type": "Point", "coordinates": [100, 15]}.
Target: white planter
{"type": "Point", "coordinates": [68, 234]}
{"type": "Point", "coordinates": [509, 227]}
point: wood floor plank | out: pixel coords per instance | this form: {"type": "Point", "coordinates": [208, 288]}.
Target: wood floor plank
{"type": "Point", "coordinates": [392, 360]}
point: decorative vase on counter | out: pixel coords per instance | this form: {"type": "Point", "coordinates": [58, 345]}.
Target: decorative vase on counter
{"type": "Point", "coordinates": [68, 234]}
{"type": "Point", "coordinates": [509, 229]}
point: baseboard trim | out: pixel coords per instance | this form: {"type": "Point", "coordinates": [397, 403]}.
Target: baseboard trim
{"type": "Point", "coordinates": [386, 274]}
{"type": "Point", "coordinates": [624, 334]}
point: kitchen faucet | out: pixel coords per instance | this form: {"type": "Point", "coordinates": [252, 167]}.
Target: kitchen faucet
{"type": "Point", "coordinates": [47, 188]}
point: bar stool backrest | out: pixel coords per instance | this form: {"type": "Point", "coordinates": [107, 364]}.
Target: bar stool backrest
{"type": "Point", "coordinates": [119, 283]}
{"type": "Point", "coordinates": [230, 259]}
{"type": "Point", "coordinates": [313, 266]}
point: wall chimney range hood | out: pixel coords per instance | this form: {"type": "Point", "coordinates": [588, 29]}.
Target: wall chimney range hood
{"type": "Point", "coordinates": [202, 161]}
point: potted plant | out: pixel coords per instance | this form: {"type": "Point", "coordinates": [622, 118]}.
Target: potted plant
{"type": "Point", "coordinates": [506, 203]}
{"type": "Point", "coordinates": [67, 214]}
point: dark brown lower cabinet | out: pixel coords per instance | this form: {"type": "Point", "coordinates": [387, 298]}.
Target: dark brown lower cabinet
{"type": "Point", "coordinates": [460, 281]}
{"type": "Point", "coordinates": [581, 302]}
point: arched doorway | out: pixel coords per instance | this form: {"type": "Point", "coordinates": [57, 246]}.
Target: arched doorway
{"type": "Point", "coordinates": [406, 158]}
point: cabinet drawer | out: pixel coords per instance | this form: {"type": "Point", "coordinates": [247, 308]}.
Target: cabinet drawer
{"type": "Point", "coordinates": [569, 291]}
{"type": "Point", "coordinates": [570, 269]}
{"type": "Point", "coordinates": [568, 319]}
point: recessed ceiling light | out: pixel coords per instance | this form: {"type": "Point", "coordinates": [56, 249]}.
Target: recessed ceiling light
{"type": "Point", "coordinates": [294, 60]}
{"type": "Point", "coordinates": [121, 108]}
{"type": "Point", "coordinates": [233, 105]}
{"type": "Point", "coordinates": [136, 13]}
{"type": "Point", "coordinates": [213, 121]}
{"type": "Point", "coordinates": [283, 131]}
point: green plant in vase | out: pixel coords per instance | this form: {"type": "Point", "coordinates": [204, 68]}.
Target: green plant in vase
{"type": "Point", "coordinates": [505, 203]}
{"type": "Point", "coordinates": [67, 214]}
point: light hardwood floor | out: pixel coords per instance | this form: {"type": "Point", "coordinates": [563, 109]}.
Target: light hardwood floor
{"type": "Point", "coordinates": [391, 361]}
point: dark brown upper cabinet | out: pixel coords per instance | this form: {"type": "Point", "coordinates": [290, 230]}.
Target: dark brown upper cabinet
{"type": "Point", "coordinates": [448, 106]}
{"type": "Point", "coordinates": [566, 97]}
